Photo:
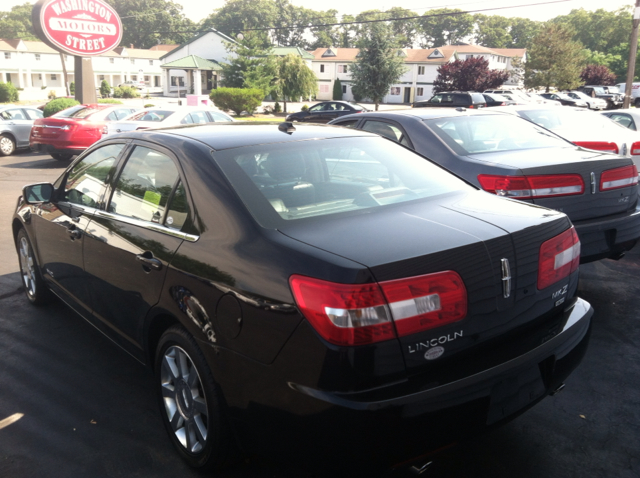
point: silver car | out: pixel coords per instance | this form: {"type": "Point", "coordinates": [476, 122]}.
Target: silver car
{"type": "Point", "coordinates": [15, 126]}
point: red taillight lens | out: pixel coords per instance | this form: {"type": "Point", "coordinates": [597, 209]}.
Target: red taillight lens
{"type": "Point", "coordinates": [532, 187]}
{"type": "Point", "coordinates": [598, 146]}
{"type": "Point", "coordinates": [424, 302]}
{"type": "Point", "coordinates": [619, 178]}
{"type": "Point", "coordinates": [559, 257]}
{"type": "Point", "coordinates": [346, 314]}
{"type": "Point", "coordinates": [635, 148]}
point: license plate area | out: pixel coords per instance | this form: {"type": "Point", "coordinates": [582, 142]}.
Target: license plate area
{"type": "Point", "coordinates": [514, 393]}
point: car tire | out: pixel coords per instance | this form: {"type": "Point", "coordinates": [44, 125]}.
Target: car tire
{"type": "Point", "coordinates": [636, 103]}
{"type": "Point", "coordinates": [7, 145]}
{"type": "Point", "coordinates": [34, 286]}
{"type": "Point", "coordinates": [61, 157]}
{"type": "Point", "coordinates": [191, 403]}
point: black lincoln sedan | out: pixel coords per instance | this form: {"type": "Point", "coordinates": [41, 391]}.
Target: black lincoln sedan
{"type": "Point", "coordinates": [326, 111]}
{"type": "Point", "coordinates": [309, 291]}
{"type": "Point", "coordinates": [512, 157]}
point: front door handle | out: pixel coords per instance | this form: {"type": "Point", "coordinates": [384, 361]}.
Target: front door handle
{"type": "Point", "coordinates": [148, 260]}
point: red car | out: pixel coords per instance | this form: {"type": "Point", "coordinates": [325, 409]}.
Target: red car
{"type": "Point", "coordinates": [71, 131]}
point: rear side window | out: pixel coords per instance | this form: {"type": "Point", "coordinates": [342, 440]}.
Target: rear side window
{"type": "Point", "coordinates": [33, 114]}
{"type": "Point", "coordinates": [155, 115]}
{"type": "Point", "coordinates": [78, 112]}
{"type": "Point", "coordinates": [144, 186]}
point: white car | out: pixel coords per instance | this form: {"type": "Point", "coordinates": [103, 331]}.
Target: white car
{"type": "Point", "coordinates": [140, 84]}
{"type": "Point", "coordinates": [592, 103]}
{"type": "Point", "coordinates": [158, 117]}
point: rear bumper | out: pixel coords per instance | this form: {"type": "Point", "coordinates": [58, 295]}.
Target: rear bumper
{"type": "Point", "coordinates": [386, 426]}
{"type": "Point", "coordinates": [608, 237]}
{"type": "Point", "coordinates": [55, 149]}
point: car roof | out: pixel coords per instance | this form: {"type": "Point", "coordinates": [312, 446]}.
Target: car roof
{"type": "Point", "coordinates": [234, 135]}
{"type": "Point", "coordinates": [423, 113]}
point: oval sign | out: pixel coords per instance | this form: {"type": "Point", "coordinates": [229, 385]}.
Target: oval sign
{"type": "Point", "coordinates": [79, 27]}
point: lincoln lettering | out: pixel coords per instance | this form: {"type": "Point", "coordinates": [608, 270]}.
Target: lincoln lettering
{"type": "Point", "coordinates": [434, 342]}
{"type": "Point", "coordinates": [65, 6]}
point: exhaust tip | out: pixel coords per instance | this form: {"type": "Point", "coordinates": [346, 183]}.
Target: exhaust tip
{"type": "Point", "coordinates": [557, 390]}
{"type": "Point", "coordinates": [419, 470]}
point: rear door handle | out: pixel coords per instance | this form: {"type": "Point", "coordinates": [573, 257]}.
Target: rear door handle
{"type": "Point", "coordinates": [148, 260]}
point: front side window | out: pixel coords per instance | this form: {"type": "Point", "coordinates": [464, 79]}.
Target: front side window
{"type": "Point", "coordinates": [86, 182]}
{"type": "Point", "coordinates": [144, 186]}
{"type": "Point", "coordinates": [153, 115]}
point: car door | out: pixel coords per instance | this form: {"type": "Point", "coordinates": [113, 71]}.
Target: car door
{"type": "Point", "coordinates": [131, 241]}
{"type": "Point", "coordinates": [314, 113]}
{"type": "Point", "coordinates": [60, 225]}
{"type": "Point", "coordinates": [18, 123]}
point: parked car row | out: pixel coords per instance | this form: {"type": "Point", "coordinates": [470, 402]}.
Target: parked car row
{"type": "Point", "coordinates": [300, 287]}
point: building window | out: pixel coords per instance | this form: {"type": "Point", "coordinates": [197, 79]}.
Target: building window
{"type": "Point", "coordinates": [112, 60]}
{"type": "Point", "coordinates": [101, 77]}
{"type": "Point", "coordinates": [156, 81]}
{"type": "Point", "coordinates": [395, 91]}
{"type": "Point", "coordinates": [421, 70]}
{"type": "Point", "coordinates": [133, 61]}
{"type": "Point", "coordinates": [420, 91]}
{"type": "Point", "coordinates": [54, 77]}
{"type": "Point", "coordinates": [324, 88]}
{"type": "Point", "coordinates": [7, 55]}
{"type": "Point", "coordinates": [37, 56]}
{"type": "Point", "coordinates": [469, 56]}
{"type": "Point", "coordinates": [151, 62]}
{"type": "Point", "coordinates": [177, 81]}
{"type": "Point", "coordinates": [342, 69]}
{"type": "Point", "coordinates": [146, 79]}
{"type": "Point", "coordinates": [8, 77]}
{"type": "Point", "coordinates": [134, 77]}
{"type": "Point", "coordinates": [321, 68]}
{"type": "Point", "coordinates": [344, 89]}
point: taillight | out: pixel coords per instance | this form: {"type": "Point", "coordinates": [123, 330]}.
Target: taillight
{"type": "Point", "coordinates": [532, 187]}
{"type": "Point", "coordinates": [619, 178]}
{"type": "Point", "coordinates": [105, 129]}
{"type": "Point", "coordinates": [559, 257]}
{"type": "Point", "coordinates": [635, 148]}
{"type": "Point", "coordinates": [358, 314]}
{"type": "Point", "coordinates": [470, 106]}
{"type": "Point", "coordinates": [598, 146]}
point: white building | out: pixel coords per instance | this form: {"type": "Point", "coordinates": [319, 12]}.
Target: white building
{"type": "Point", "coordinates": [36, 69]}
{"type": "Point", "coordinates": [416, 83]}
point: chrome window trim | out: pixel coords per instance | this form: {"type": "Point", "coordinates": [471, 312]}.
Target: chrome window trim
{"type": "Point", "coordinates": [148, 225]}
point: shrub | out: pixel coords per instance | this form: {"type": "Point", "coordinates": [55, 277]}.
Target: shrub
{"type": "Point", "coordinates": [304, 108]}
{"type": "Point", "coordinates": [149, 105]}
{"type": "Point", "coordinates": [125, 92]}
{"type": "Point", "coordinates": [337, 89]}
{"type": "Point", "coordinates": [110, 101]}
{"type": "Point", "coordinates": [237, 99]}
{"type": "Point", "coordinates": [267, 109]}
{"type": "Point", "coordinates": [72, 88]}
{"type": "Point", "coordinates": [58, 104]}
{"type": "Point", "coordinates": [277, 108]}
{"type": "Point", "coordinates": [8, 93]}
{"type": "Point", "coordinates": [105, 89]}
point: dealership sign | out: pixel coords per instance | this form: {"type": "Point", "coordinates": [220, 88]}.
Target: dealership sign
{"type": "Point", "coordinates": [77, 27]}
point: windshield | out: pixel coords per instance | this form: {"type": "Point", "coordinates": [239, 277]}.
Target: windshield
{"type": "Point", "coordinates": [491, 132]}
{"type": "Point", "coordinates": [563, 119]}
{"type": "Point", "coordinates": [330, 176]}
{"type": "Point", "coordinates": [612, 89]}
{"type": "Point", "coordinates": [78, 112]}
{"type": "Point", "coordinates": [151, 115]}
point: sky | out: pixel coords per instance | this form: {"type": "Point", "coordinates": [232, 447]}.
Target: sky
{"type": "Point", "coordinates": [194, 9]}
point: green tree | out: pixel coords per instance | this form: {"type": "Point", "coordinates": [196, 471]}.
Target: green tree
{"type": "Point", "coordinates": [444, 26]}
{"type": "Point", "coordinates": [346, 34]}
{"type": "Point", "coordinates": [337, 89]}
{"type": "Point", "coordinates": [325, 36]}
{"type": "Point", "coordinates": [105, 89]}
{"type": "Point", "coordinates": [249, 65]}
{"type": "Point", "coordinates": [17, 23]}
{"type": "Point", "coordinates": [554, 59]}
{"type": "Point", "coordinates": [239, 15]}
{"type": "Point", "coordinates": [492, 31]}
{"type": "Point", "coordinates": [142, 19]}
{"type": "Point", "coordinates": [294, 79]}
{"type": "Point", "coordinates": [523, 31]}
{"type": "Point", "coordinates": [600, 30]}
{"type": "Point", "coordinates": [404, 31]}
{"type": "Point", "coordinates": [8, 93]}
{"type": "Point", "coordinates": [378, 66]}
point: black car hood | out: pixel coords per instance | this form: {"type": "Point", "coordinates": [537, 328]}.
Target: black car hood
{"type": "Point", "coordinates": [396, 233]}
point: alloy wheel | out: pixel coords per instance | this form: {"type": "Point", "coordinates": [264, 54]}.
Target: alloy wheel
{"type": "Point", "coordinates": [27, 267]}
{"type": "Point", "coordinates": [184, 399]}
{"type": "Point", "coordinates": [6, 145]}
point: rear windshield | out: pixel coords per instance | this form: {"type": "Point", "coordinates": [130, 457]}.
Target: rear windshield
{"type": "Point", "coordinates": [488, 133]}
{"type": "Point", "coordinates": [566, 119]}
{"type": "Point", "coordinates": [291, 181]}
{"type": "Point", "coordinates": [76, 112]}
{"type": "Point", "coordinates": [155, 115]}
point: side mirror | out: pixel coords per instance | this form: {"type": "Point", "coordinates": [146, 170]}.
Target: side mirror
{"type": "Point", "coordinates": [37, 193]}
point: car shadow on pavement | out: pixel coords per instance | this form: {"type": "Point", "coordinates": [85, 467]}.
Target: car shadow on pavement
{"type": "Point", "coordinates": [49, 163]}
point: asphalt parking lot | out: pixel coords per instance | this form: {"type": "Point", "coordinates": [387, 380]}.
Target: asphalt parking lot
{"type": "Point", "coordinates": [74, 405]}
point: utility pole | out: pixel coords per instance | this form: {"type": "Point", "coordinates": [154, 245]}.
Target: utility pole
{"type": "Point", "coordinates": [633, 50]}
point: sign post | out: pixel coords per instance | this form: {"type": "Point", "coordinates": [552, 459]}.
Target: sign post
{"type": "Point", "coordinates": [82, 28]}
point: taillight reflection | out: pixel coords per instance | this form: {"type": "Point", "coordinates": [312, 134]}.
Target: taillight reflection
{"type": "Point", "coordinates": [598, 146]}
{"type": "Point", "coordinates": [619, 178]}
{"type": "Point", "coordinates": [532, 187]}
{"type": "Point", "coordinates": [559, 257]}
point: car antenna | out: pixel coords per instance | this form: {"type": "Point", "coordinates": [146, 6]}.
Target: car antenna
{"type": "Point", "coordinates": [286, 127]}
